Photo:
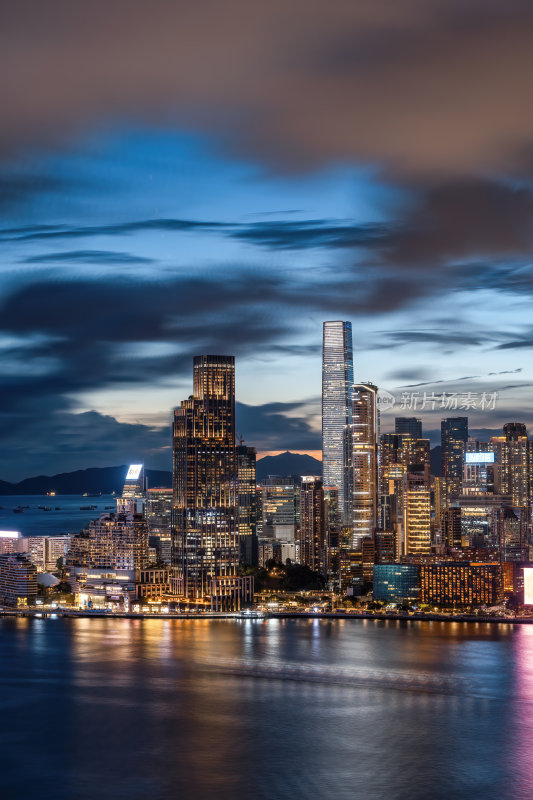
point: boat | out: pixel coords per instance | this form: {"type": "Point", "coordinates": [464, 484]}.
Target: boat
{"type": "Point", "coordinates": [51, 493]}
{"type": "Point", "coordinates": [18, 510]}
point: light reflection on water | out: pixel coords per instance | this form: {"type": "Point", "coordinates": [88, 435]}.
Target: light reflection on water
{"type": "Point", "coordinates": [108, 708]}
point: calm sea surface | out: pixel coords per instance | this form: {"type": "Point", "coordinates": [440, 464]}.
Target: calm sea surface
{"type": "Point", "coordinates": [97, 709]}
{"type": "Point", "coordinates": [65, 515]}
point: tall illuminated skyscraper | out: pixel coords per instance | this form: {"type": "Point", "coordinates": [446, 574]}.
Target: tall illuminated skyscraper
{"type": "Point", "coordinates": [205, 505]}
{"type": "Point", "coordinates": [246, 464]}
{"type": "Point", "coordinates": [312, 527]}
{"type": "Point", "coordinates": [513, 463]}
{"type": "Point", "coordinates": [337, 382]}
{"type": "Point", "coordinates": [365, 429]}
{"type": "Point", "coordinates": [454, 436]}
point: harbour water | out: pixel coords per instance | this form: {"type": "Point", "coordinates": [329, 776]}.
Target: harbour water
{"type": "Point", "coordinates": [50, 516]}
{"type": "Point", "coordinates": [265, 709]}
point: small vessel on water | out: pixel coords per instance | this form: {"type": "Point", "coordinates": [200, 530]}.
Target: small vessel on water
{"type": "Point", "coordinates": [18, 510]}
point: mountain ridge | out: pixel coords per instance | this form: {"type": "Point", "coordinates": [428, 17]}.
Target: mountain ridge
{"type": "Point", "coordinates": [105, 480]}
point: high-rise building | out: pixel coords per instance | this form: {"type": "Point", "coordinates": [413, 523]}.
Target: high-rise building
{"type": "Point", "coordinates": [332, 530]}
{"type": "Point", "coordinates": [337, 382]}
{"type": "Point", "coordinates": [479, 467]}
{"type": "Point", "coordinates": [312, 524]}
{"type": "Point", "coordinates": [135, 483]}
{"type": "Point", "coordinates": [118, 541]}
{"type": "Point", "coordinates": [247, 523]}
{"type": "Point", "coordinates": [205, 483]}
{"type": "Point", "coordinates": [159, 519]}
{"type": "Point", "coordinates": [365, 425]}
{"type": "Point", "coordinates": [417, 512]}
{"type": "Point", "coordinates": [454, 436]}
{"type": "Point", "coordinates": [512, 469]}
{"type": "Point", "coordinates": [451, 526]}
{"type": "Point", "coordinates": [18, 581]}
{"type": "Point", "coordinates": [410, 425]}
{"type": "Point", "coordinates": [279, 508]}
{"type": "Point", "coordinates": [9, 541]}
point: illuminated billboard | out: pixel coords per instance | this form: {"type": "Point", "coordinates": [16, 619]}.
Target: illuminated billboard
{"type": "Point", "coordinates": [480, 458]}
{"type": "Point", "coordinates": [134, 472]}
{"type": "Point", "coordinates": [9, 534]}
{"type": "Point", "coordinates": [528, 586]}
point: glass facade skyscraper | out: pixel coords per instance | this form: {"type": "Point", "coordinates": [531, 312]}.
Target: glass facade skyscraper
{"type": "Point", "coordinates": [454, 436]}
{"type": "Point", "coordinates": [365, 430]}
{"type": "Point", "coordinates": [337, 383]}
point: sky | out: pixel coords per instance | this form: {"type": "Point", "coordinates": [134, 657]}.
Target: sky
{"type": "Point", "coordinates": [222, 178]}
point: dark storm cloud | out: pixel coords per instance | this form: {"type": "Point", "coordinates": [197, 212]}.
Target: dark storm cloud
{"type": "Point", "coordinates": [275, 234]}
{"type": "Point", "coordinates": [517, 344]}
{"type": "Point", "coordinates": [88, 257]}
{"type": "Point", "coordinates": [123, 310]}
{"type": "Point", "coordinates": [37, 232]}
{"type": "Point", "coordinates": [464, 219]}
{"type": "Point", "coordinates": [69, 441]}
{"type": "Point", "coordinates": [17, 188]}
{"type": "Point", "coordinates": [67, 337]}
{"type": "Point", "coordinates": [314, 233]}
{"type": "Point", "coordinates": [422, 86]}
{"type": "Point", "coordinates": [265, 426]}
{"type": "Point", "coordinates": [444, 337]}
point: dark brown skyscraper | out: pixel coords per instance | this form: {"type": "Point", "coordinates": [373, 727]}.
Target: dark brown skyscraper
{"type": "Point", "coordinates": [205, 526]}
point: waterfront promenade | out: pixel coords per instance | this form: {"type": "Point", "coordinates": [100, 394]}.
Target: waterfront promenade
{"type": "Point", "coordinates": [253, 615]}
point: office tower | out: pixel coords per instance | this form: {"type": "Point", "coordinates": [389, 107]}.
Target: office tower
{"type": "Point", "coordinates": [279, 508]}
{"type": "Point", "coordinates": [205, 478]}
{"type": "Point", "coordinates": [368, 558]}
{"type": "Point", "coordinates": [479, 468]}
{"type": "Point", "coordinates": [159, 519]}
{"type": "Point", "coordinates": [312, 524]}
{"type": "Point", "coordinates": [365, 424]}
{"type": "Point", "coordinates": [333, 530]}
{"type": "Point", "coordinates": [409, 425]}
{"type": "Point", "coordinates": [417, 513]}
{"type": "Point", "coordinates": [512, 470]}
{"type": "Point", "coordinates": [247, 522]}
{"type": "Point", "coordinates": [451, 527]}
{"type": "Point", "coordinates": [454, 435]}
{"type": "Point", "coordinates": [135, 483]}
{"type": "Point", "coordinates": [398, 452]}
{"type": "Point", "coordinates": [385, 546]}
{"type": "Point", "coordinates": [337, 382]}
{"type": "Point", "coordinates": [513, 534]}
{"type": "Point", "coordinates": [479, 518]}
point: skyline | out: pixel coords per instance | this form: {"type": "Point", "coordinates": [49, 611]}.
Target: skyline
{"type": "Point", "coordinates": [143, 223]}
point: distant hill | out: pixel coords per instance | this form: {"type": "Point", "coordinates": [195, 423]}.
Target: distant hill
{"type": "Point", "coordinates": [286, 464]}
{"type": "Point", "coordinates": [105, 480]}
{"type": "Point", "coordinates": [93, 481]}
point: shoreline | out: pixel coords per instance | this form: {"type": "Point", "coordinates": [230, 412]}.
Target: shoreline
{"type": "Point", "coordinates": [207, 616]}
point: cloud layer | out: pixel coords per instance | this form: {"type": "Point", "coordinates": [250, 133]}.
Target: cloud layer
{"type": "Point", "coordinates": [426, 88]}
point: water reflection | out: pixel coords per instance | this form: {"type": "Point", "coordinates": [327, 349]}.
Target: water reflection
{"type": "Point", "coordinates": [222, 709]}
